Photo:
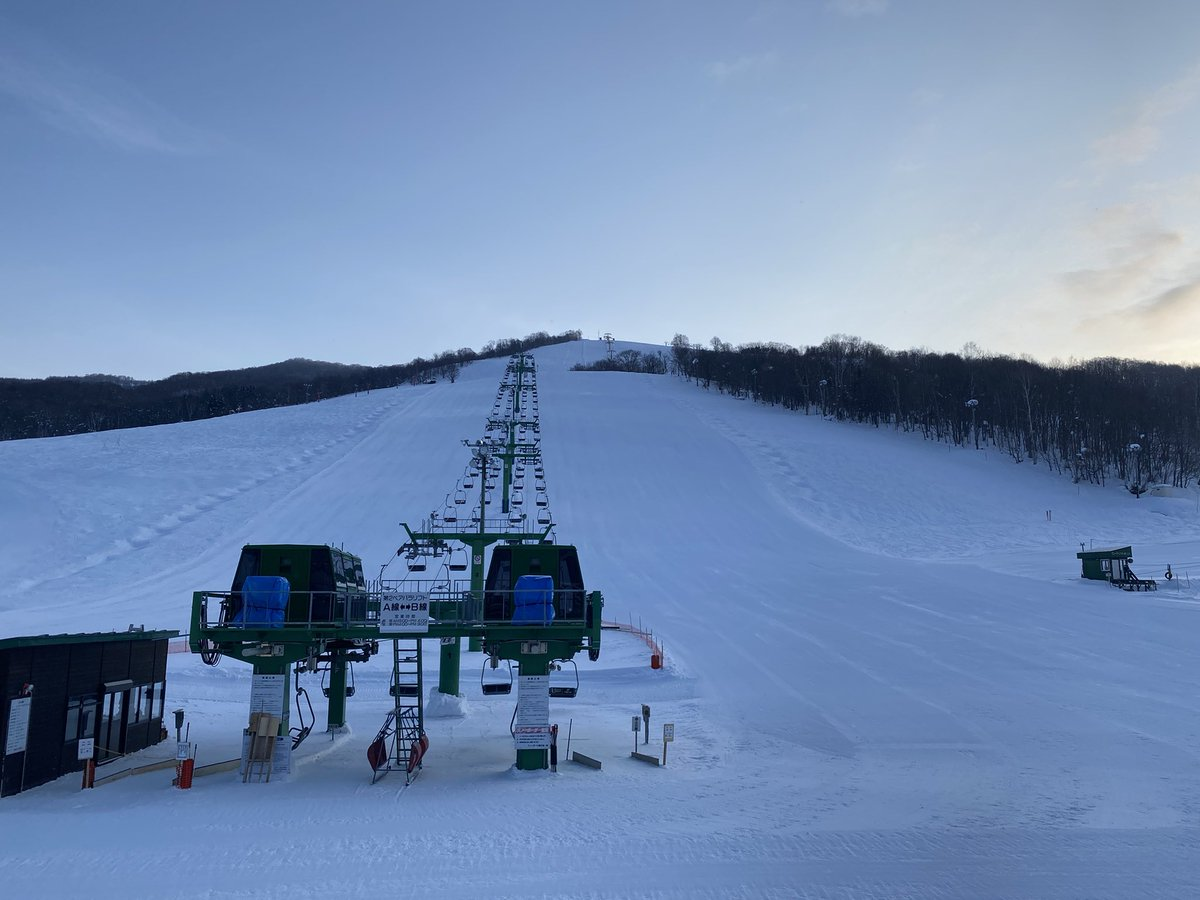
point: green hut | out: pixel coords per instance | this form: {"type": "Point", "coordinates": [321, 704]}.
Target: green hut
{"type": "Point", "coordinates": [1112, 564]}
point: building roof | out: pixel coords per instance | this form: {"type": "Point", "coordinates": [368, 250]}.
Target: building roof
{"type": "Point", "coordinates": [44, 640]}
{"type": "Point", "coordinates": [1106, 553]}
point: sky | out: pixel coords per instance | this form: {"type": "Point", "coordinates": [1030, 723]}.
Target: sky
{"type": "Point", "coordinates": [202, 186]}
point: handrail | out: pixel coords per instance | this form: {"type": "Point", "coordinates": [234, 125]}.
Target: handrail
{"type": "Point", "coordinates": [449, 604]}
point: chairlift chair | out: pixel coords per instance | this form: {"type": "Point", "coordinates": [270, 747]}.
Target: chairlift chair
{"type": "Point", "coordinates": [542, 499]}
{"type": "Point", "coordinates": [458, 561]}
{"type": "Point", "coordinates": [566, 685]}
{"type": "Point", "coordinates": [416, 563]}
{"type": "Point", "coordinates": [460, 497]}
{"type": "Point", "coordinates": [325, 687]}
{"type": "Point", "coordinates": [496, 685]}
{"type": "Point", "coordinates": [543, 517]}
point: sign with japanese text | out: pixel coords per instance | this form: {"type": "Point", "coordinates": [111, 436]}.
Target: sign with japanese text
{"type": "Point", "coordinates": [531, 727]}
{"type": "Point", "coordinates": [266, 694]}
{"type": "Point", "coordinates": [18, 725]}
{"type": "Point", "coordinates": [404, 614]}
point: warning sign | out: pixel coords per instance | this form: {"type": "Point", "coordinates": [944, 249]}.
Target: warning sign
{"type": "Point", "coordinates": [531, 728]}
{"type": "Point", "coordinates": [404, 614]}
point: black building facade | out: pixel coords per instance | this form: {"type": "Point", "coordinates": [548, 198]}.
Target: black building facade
{"type": "Point", "coordinates": [58, 688]}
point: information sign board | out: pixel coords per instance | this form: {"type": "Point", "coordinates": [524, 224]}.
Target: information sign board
{"type": "Point", "coordinates": [18, 725]}
{"type": "Point", "coordinates": [531, 727]}
{"type": "Point", "coordinates": [668, 733]}
{"type": "Point", "coordinates": [266, 694]}
{"type": "Point", "coordinates": [404, 614]}
{"type": "Point", "coordinates": [87, 748]}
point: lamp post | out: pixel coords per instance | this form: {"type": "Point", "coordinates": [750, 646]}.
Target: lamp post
{"type": "Point", "coordinates": [1135, 463]}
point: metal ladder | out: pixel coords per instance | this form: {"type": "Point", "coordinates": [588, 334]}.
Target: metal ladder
{"type": "Point", "coordinates": [407, 689]}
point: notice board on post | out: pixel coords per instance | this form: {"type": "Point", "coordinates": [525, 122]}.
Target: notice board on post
{"type": "Point", "coordinates": [18, 725]}
{"type": "Point", "coordinates": [531, 728]}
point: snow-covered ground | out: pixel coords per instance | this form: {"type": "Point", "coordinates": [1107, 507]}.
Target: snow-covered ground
{"type": "Point", "coordinates": [886, 678]}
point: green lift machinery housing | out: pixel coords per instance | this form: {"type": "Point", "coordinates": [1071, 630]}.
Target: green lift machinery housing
{"type": "Point", "coordinates": [332, 624]}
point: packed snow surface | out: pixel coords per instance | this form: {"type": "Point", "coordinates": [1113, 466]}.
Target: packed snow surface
{"type": "Point", "coordinates": [886, 678]}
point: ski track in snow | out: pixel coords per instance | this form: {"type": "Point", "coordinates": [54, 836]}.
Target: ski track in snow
{"type": "Point", "coordinates": [886, 677]}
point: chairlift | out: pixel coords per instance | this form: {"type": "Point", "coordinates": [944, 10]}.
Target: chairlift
{"type": "Point", "coordinates": [543, 517]}
{"type": "Point", "coordinates": [469, 482]}
{"type": "Point", "coordinates": [566, 684]}
{"type": "Point", "coordinates": [302, 731]}
{"type": "Point", "coordinates": [460, 498]}
{"type": "Point", "coordinates": [450, 516]}
{"type": "Point", "coordinates": [416, 563]}
{"type": "Point", "coordinates": [516, 518]}
{"type": "Point", "coordinates": [458, 561]}
{"type": "Point", "coordinates": [497, 685]}
{"type": "Point", "coordinates": [542, 499]}
{"type": "Point", "coordinates": [349, 683]}
{"type": "Point", "coordinates": [518, 498]}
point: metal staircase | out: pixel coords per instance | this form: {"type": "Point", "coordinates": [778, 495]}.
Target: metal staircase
{"type": "Point", "coordinates": [403, 734]}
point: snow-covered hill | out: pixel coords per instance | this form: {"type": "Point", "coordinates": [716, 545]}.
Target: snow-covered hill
{"type": "Point", "coordinates": [886, 677]}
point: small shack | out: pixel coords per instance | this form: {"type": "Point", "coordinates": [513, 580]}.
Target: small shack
{"type": "Point", "coordinates": [1112, 564]}
{"type": "Point", "coordinates": [58, 688]}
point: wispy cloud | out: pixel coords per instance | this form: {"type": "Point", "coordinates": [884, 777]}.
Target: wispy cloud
{"type": "Point", "coordinates": [1138, 138]}
{"type": "Point", "coordinates": [1148, 278]}
{"type": "Point", "coordinates": [1170, 306]}
{"type": "Point", "coordinates": [1132, 269]}
{"type": "Point", "coordinates": [82, 100]}
{"type": "Point", "coordinates": [856, 8]}
{"type": "Point", "coordinates": [743, 66]}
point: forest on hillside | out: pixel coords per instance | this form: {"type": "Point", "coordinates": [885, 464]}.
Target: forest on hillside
{"type": "Point", "coordinates": [48, 407]}
{"type": "Point", "coordinates": [1099, 419]}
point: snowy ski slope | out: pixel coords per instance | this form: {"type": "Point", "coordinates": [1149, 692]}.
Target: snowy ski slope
{"type": "Point", "coordinates": [886, 678]}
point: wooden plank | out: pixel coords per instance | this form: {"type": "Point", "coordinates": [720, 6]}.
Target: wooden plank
{"type": "Point", "coordinates": [646, 757]}
{"type": "Point", "coordinates": [228, 765]}
{"type": "Point", "coordinates": [136, 770]}
{"type": "Point", "coordinates": [583, 760]}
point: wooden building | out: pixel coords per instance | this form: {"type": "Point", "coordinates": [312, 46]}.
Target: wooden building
{"type": "Point", "coordinates": [1113, 564]}
{"type": "Point", "coordinates": [58, 688]}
